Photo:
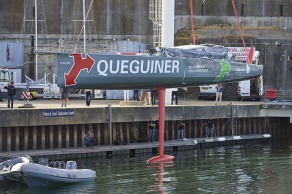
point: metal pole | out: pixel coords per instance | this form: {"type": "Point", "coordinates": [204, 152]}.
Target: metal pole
{"type": "Point", "coordinates": [36, 39]}
{"type": "Point", "coordinates": [84, 40]}
{"type": "Point", "coordinates": [110, 123]}
{"type": "Point", "coordinates": [161, 109]}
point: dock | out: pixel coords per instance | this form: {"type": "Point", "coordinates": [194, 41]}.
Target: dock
{"type": "Point", "coordinates": [131, 150]}
{"type": "Point", "coordinates": [34, 132]}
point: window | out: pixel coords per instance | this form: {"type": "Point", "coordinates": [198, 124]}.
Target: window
{"type": "Point", "coordinates": [242, 10]}
{"type": "Point", "coordinates": [33, 12]}
{"type": "Point", "coordinates": [281, 10]}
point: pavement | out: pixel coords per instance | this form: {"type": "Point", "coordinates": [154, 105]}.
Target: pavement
{"type": "Point", "coordinates": [56, 103]}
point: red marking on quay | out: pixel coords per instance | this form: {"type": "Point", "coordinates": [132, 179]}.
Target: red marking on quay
{"type": "Point", "coordinates": [25, 95]}
{"type": "Point", "coordinates": [78, 65]}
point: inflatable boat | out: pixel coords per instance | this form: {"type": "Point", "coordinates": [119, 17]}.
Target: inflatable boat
{"type": "Point", "coordinates": [5, 168]}
{"type": "Point", "coordinates": [35, 175]}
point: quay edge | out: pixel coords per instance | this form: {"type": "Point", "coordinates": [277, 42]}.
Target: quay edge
{"type": "Point", "coordinates": [29, 130]}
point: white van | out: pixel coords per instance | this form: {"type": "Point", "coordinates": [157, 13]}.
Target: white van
{"type": "Point", "coordinates": [207, 92]}
{"type": "Point", "coordinates": [250, 89]}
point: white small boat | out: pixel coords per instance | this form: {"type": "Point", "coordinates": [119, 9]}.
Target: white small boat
{"type": "Point", "coordinates": [41, 175]}
{"type": "Point", "coordinates": [5, 168]}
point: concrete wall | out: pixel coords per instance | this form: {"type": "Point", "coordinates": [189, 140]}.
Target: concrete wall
{"type": "Point", "coordinates": [119, 17]}
{"type": "Point", "coordinates": [265, 8]}
{"type": "Point", "coordinates": [35, 117]}
{"type": "Point", "coordinates": [29, 130]}
{"type": "Point", "coordinates": [126, 19]}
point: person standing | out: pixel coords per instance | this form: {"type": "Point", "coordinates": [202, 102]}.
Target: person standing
{"type": "Point", "coordinates": [143, 96]}
{"type": "Point", "coordinates": [11, 92]}
{"type": "Point", "coordinates": [148, 97]}
{"type": "Point", "coordinates": [64, 96]}
{"type": "Point", "coordinates": [88, 93]}
{"type": "Point", "coordinates": [210, 128]}
{"type": "Point", "coordinates": [180, 131]}
{"type": "Point", "coordinates": [157, 129]}
{"type": "Point", "coordinates": [174, 93]}
{"type": "Point", "coordinates": [219, 89]}
{"type": "Point", "coordinates": [153, 97]}
{"type": "Point", "coordinates": [136, 95]}
{"type": "Point", "coordinates": [126, 95]}
{"type": "Point", "coordinates": [151, 125]}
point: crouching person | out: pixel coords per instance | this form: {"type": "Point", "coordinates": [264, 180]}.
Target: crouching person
{"type": "Point", "coordinates": [89, 140]}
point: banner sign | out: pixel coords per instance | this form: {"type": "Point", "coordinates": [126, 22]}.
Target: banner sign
{"type": "Point", "coordinates": [59, 113]}
{"type": "Point", "coordinates": [239, 52]}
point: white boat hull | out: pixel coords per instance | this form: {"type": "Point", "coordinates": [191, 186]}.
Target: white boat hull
{"type": "Point", "coordinates": [38, 175]}
{"type": "Point", "coordinates": [6, 166]}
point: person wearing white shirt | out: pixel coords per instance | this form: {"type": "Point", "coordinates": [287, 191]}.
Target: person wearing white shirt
{"type": "Point", "coordinates": [219, 89]}
{"type": "Point", "coordinates": [174, 93]}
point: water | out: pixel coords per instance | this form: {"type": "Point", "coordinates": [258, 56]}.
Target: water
{"type": "Point", "coordinates": [253, 168]}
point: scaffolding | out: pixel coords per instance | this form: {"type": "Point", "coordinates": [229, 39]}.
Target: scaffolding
{"type": "Point", "coordinates": [28, 22]}
{"type": "Point", "coordinates": [155, 15]}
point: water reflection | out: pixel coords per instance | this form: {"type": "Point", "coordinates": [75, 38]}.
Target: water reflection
{"type": "Point", "coordinates": [162, 185]}
{"type": "Point", "coordinates": [10, 187]}
{"type": "Point", "coordinates": [252, 168]}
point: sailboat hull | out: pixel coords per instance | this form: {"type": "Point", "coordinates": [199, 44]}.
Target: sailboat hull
{"type": "Point", "coordinates": [117, 71]}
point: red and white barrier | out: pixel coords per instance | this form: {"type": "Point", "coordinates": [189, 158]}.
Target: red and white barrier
{"type": "Point", "coordinates": [25, 95]}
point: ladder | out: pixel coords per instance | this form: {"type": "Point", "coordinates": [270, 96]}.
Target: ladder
{"type": "Point", "coordinates": [233, 117]}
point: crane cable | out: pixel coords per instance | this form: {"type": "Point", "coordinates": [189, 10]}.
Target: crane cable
{"type": "Point", "coordinates": [193, 22]}
{"type": "Point", "coordinates": [241, 32]}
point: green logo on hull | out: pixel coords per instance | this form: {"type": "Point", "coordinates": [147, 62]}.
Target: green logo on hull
{"type": "Point", "coordinates": [225, 69]}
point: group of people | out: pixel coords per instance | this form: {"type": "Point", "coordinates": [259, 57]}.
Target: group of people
{"type": "Point", "coordinates": [153, 126]}
{"type": "Point", "coordinates": [65, 96]}
{"type": "Point", "coordinates": [210, 130]}
{"type": "Point", "coordinates": [149, 96]}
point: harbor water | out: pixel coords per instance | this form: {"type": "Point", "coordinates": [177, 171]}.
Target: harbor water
{"type": "Point", "coordinates": [249, 168]}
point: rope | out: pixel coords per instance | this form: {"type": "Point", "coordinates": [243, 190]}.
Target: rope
{"type": "Point", "coordinates": [224, 126]}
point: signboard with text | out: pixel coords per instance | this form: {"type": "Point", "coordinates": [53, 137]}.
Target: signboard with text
{"type": "Point", "coordinates": [59, 113]}
{"type": "Point", "coordinates": [240, 53]}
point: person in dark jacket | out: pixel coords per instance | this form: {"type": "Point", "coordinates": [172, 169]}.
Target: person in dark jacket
{"type": "Point", "coordinates": [151, 125]}
{"type": "Point", "coordinates": [210, 128]}
{"type": "Point", "coordinates": [11, 92]}
{"type": "Point", "coordinates": [180, 130]}
{"type": "Point", "coordinates": [88, 139]}
{"type": "Point", "coordinates": [64, 96]}
{"type": "Point", "coordinates": [156, 137]}
{"type": "Point", "coordinates": [88, 93]}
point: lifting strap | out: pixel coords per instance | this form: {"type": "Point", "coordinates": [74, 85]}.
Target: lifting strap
{"type": "Point", "coordinates": [241, 33]}
{"type": "Point", "coordinates": [193, 22]}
